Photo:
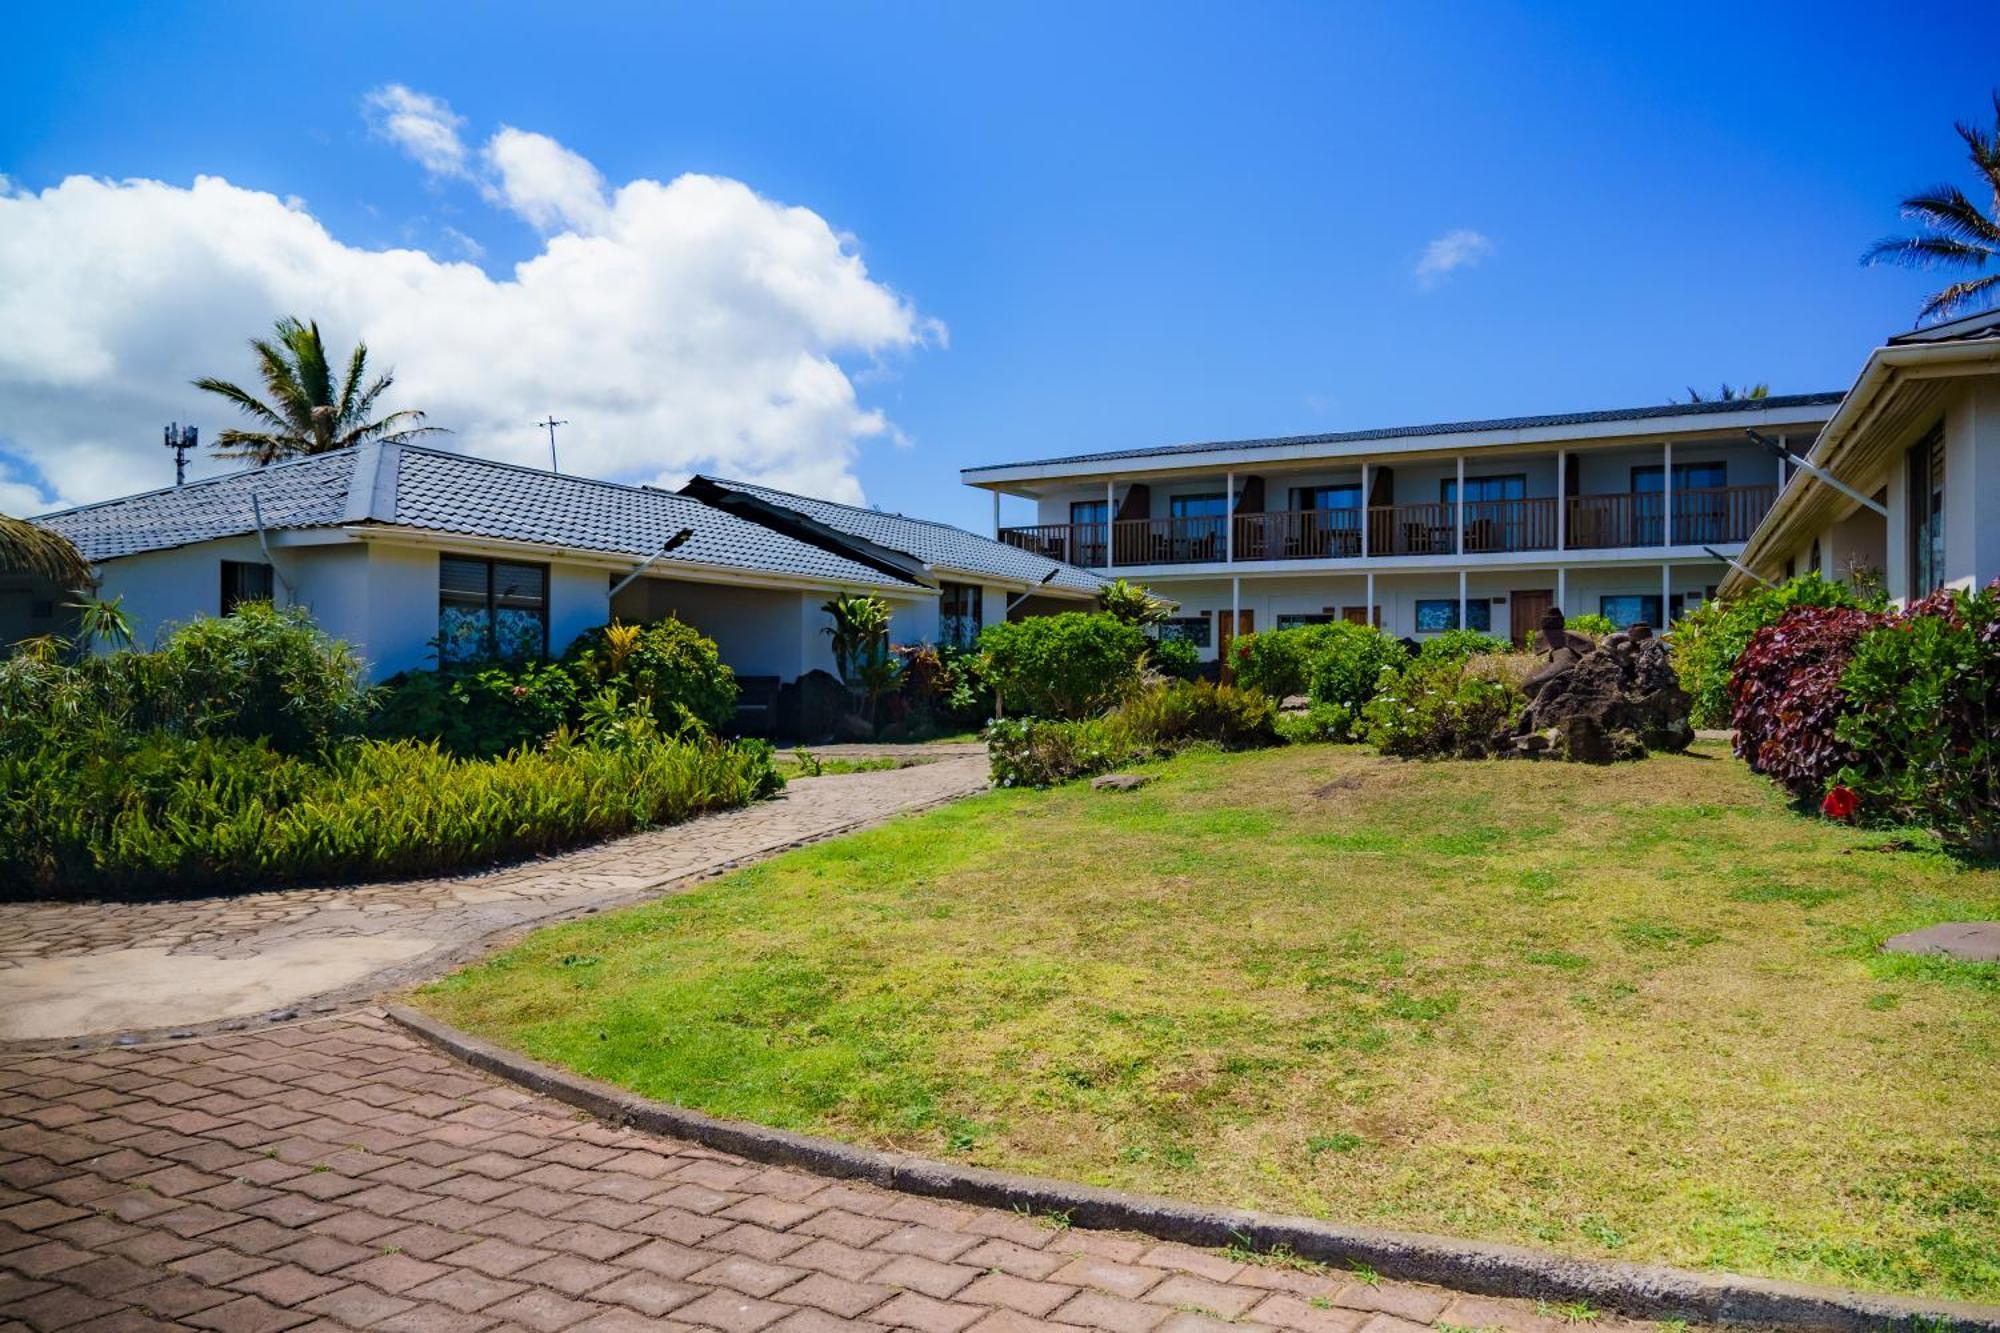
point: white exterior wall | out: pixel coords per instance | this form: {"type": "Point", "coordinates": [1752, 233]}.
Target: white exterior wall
{"type": "Point", "coordinates": [166, 588]}
{"type": "Point", "coordinates": [1972, 486]}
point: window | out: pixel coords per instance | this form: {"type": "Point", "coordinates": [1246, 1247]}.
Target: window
{"type": "Point", "coordinates": [1296, 621]}
{"type": "Point", "coordinates": [1188, 629]}
{"type": "Point", "coordinates": [1327, 497]}
{"type": "Point", "coordinates": [1687, 477]}
{"type": "Point", "coordinates": [491, 609]}
{"type": "Point", "coordinates": [1088, 511]}
{"type": "Point", "coordinates": [244, 581]}
{"type": "Point", "coordinates": [1627, 610]}
{"type": "Point", "coordinates": [959, 613]}
{"type": "Point", "coordinates": [1927, 515]}
{"type": "Point", "coordinates": [1511, 487]}
{"type": "Point", "coordinates": [1436, 616]}
{"type": "Point", "coordinates": [1198, 506]}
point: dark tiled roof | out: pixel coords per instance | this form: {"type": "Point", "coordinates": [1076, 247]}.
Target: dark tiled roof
{"type": "Point", "coordinates": [939, 545]}
{"type": "Point", "coordinates": [437, 491]}
{"type": "Point", "coordinates": [1492, 426]}
{"type": "Point", "coordinates": [1985, 324]}
{"type": "Point", "coordinates": [304, 493]}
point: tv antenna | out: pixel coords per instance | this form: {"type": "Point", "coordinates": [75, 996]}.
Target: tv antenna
{"type": "Point", "coordinates": [552, 423]}
{"type": "Point", "coordinates": [182, 440]}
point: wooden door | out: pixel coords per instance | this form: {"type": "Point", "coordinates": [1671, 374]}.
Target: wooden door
{"type": "Point", "coordinates": [1358, 615]}
{"type": "Point", "coordinates": [1226, 630]}
{"type": "Point", "coordinates": [1525, 612]}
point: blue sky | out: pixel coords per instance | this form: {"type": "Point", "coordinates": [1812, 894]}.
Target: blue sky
{"type": "Point", "coordinates": [1138, 224]}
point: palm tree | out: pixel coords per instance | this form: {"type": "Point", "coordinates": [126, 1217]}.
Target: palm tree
{"type": "Point", "coordinates": [307, 414]}
{"type": "Point", "coordinates": [1729, 393]}
{"type": "Point", "coordinates": [1958, 235]}
{"type": "Point", "coordinates": [28, 549]}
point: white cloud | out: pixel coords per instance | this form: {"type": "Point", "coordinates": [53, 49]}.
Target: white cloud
{"type": "Point", "coordinates": [1463, 248]}
{"type": "Point", "coordinates": [680, 326]}
{"type": "Point", "coordinates": [545, 182]}
{"type": "Point", "coordinates": [425, 127]}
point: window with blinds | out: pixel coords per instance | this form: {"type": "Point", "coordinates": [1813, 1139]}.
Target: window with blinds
{"type": "Point", "coordinates": [1927, 514]}
{"type": "Point", "coordinates": [491, 609]}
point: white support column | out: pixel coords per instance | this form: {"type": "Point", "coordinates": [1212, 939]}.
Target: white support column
{"type": "Point", "coordinates": [996, 516]}
{"type": "Point", "coordinates": [1368, 612]}
{"type": "Point", "coordinates": [1562, 499]}
{"type": "Point", "coordinates": [1461, 587]}
{"type": "Point", "coordinates": [1666, 499]}
{"type": "Point", "coordinates": [1666, 596]}
{"type": "Point", "coordinates": [1110, 525]}
{"type": "Point", "coordinates": [1229, 519]}
{"type": "Point", "coordinates": [1784, 448]}
{"type": "Point", "coordinates": [1364, 531]}
{"type": "Point", "coordinates": [1235, 605]}
{"type": "Point", "coordinates": [1458, 522]}
{"type": "Point", "coordinates": [1562, 589]}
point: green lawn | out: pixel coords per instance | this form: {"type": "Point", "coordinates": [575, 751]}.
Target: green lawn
{"type": "Point", "coordinates": [1634, 1012]}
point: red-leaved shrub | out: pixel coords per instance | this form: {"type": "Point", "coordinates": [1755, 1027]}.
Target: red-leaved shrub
{"type": "Point", "coordinates": [1786, 695]}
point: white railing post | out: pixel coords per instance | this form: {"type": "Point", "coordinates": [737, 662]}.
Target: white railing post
{"type": "Point", "coordinates": [1562, 499]}
{"type": "Point", "coordinates": [1462, 624]}
{"type": "Point", "coordinates": [1229, 519]}
{"type": "Point", "coordinates": [1460, 524]}
{"type": "Point", "coordinates": [1364, 534]}
{"type": "Point", "coordinates": [1666, 499]}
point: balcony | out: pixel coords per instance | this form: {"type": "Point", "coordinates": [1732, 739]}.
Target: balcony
{"type": "Point", "coordinates": [1723, 515]}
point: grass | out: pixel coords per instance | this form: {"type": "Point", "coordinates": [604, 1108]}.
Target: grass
{"type": "Point", "coordinates": [1637, 1013]}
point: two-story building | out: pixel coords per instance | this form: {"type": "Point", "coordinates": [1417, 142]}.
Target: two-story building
{"type": "Point", "coordinates": [1632, 513]}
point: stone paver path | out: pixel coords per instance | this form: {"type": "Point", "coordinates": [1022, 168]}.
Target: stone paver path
{"type": "Point", "coordinates": [338, 1174]}
{"type": "Point", "coordinates": [70, 969]}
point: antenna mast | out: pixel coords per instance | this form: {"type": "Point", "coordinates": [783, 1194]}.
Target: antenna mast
{"type": "Point", "coordinates": [182, 440]}
{"type": "Point", "coordinates": [552, 423]}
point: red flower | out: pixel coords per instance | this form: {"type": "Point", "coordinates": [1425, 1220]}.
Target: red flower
{"type": "Point", "coordinates": [1243, 653]}
{"type": "Point", "coordinates": [520, 691]}
{"type": "Point", "coordinates": [1840, 803]}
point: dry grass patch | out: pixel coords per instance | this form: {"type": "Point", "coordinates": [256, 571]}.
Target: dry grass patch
{"type": "Point", "coordinates": [1633, 1012]}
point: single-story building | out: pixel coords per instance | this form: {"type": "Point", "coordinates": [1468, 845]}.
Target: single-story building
{"type": "Point", "coordinates": [415, 555]}
{"type": "Point", "coordinates": [1904, 486]}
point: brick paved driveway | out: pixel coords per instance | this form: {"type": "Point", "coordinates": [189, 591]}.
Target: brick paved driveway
{"type": "Point", "coordinates": [337, 1174]}
{"type": "Point", "coordinates": [71, 969]}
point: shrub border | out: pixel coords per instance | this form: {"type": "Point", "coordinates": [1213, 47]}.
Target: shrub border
{"type": "Point", "coordinates": [1650, 1291]}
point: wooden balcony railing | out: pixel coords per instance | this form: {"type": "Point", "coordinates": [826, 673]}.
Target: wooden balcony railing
{"type": "Point", "coordinates": [1707, 517]}
{"type": "Point", "coordinates": [1510, 525]}
{"type": "Point", "coordinates": [1422, 529]}
{"type": "Point", "coordinates": [1299, 534]}
{"type": "Point", "coordinates": [1167, 541]}
{"type": "Point", "coordinates": [1075, 543]}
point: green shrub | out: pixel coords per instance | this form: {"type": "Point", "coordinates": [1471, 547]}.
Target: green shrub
{"type": "Point", "coordinates": [1456, 645]}
{"type": "Point", "coordinates": [255, 673]}
{"type": "Point", "coordinates": [1188, 712]}
{"type": "Point", "coordinates": [1590, 622]}
{"type": "Point", "coordinates": [182, 813]}
{"type": "Point", "coordinates": [477, 711]}
{"type": "Point", "coordinates": [1348, 662]}
{"type": "Point", "coordinates": [1320, 722]}
{"type": "Point", "coordinates": [1708, 640]}
{"type": "Point", "coordinates": [1175, 658]}
{"type": "Point", "coordinates": [1064, 666]}
{"type": "Point", "coordinates": [1922, 713]}
{"type": "Point", "coordinates": [668, 668]}
{"type": "Point", "coordinates": [1438, 709]}
{"type": "Point", "coordinates": [1040, 752]}
{"type": "Point", "coordinates": [1121, 599]}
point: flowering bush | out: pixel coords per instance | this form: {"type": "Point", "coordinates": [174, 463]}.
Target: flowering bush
{"type": "Point", "coordinates": [1921, 717]}
{"type": "Point", "coordinates": [1708, 640]}
{"type": "Point", "coordinates": [1438, 710]}
{"type": "Point", "coordinates": [1787, 699]}
{"type": "Point", "coordinates": [669, 668]}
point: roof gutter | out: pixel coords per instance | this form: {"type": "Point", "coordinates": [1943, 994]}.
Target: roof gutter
{"type": "Point", "coordinates": [264, 542]}
{"type": "Point", "coordinates": [1877, 377]}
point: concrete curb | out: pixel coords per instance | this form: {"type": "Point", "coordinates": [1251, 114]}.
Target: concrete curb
{"type": "Point", "coordinates": [1642, 1291]}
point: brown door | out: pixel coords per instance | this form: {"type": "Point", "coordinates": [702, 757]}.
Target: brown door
{"type": "Point", "coordinates": [1524, 615]}
{"type": "Point", "coordinates": [1245, 622]}
{"type": "Point", "coordinates": [1358, 615]}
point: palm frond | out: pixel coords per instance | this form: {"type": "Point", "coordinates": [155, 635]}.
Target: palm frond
{"type": "Point", "coordinates": [1945, 210]}
{"type": "Point", "coordinates": [1927, 252]}
{"type": "Point", "coordinates": [1984, 149]}
{"type": "Point", "coordinates": [26, 548]}
{"type": "Point", "coordinates": [352, 404]}
{"type": "Point", "coordinates": [258, 447]}
{"type": "Point", "coordinates": [366, 402]}
{"type": "Point", "coordinates": [391, 430]}
{"type": "Point", "coordinates": [305, 414]}
{"type": "Point", "coordinates": [245, 400]}
{"type": "Point", "coordinates": [1961, 298]}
